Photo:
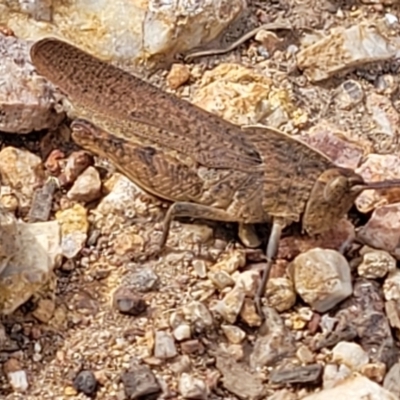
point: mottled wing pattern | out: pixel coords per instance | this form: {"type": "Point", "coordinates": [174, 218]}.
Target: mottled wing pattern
{"type": "Point", "coordinates": [291, 170]}
{"type": "Point", "coordinates": [132, 103]}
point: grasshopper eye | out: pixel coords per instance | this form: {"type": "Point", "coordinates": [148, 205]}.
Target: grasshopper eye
{"type": "Point", "coordinates": [335, 188]}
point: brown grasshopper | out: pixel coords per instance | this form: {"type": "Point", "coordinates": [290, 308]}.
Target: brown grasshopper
{"type": "Point", "coordinates": [205, 166]}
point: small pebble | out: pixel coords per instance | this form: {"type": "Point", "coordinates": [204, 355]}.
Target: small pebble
{"type": "Point", "coordinates": [164, 346]}
{"type": "Point", "coordinates": [192, 388]}
{"type": "Point", "coordinates": [86, 383]}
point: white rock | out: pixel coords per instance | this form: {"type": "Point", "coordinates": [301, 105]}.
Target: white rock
{"type": "Point", "coordinates": [248, 282]}
{"type": "Point", "coordinates": [359, 44]}
{"type": "Point", "coordinates": [322, 278]}
{"type": "Point", "coordinates": [164, 346]}
{"type": "Point", "coordinates": [87, 186]}
{"type": "Point", "coordinates": [192, 388]}
{"type": "Point", "coordinates": [182, 332]}
{"type": "Point", "coordinates": [36, 253]}
{"type": "Point", "coordinates": [376, 264]}
{"type": "Point", "coordinates": [18, 380]}
{"type": "Point", "coordinates": [132, 30]}
{"type": "Point", "coordinates": [27, 101]}
{"type": "Point", "coordinates": [355, 388]}
{"type": "Point", "coordinates": [350, 354]}
{"type": "Point", "coordinates": [333, 374]}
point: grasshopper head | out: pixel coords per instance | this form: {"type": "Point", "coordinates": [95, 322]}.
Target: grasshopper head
{"type": "Point", "coordinates": [331, 198]}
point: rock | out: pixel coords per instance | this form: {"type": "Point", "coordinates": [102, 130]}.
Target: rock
{"type": "Point", "coordinates": [383, 114]}
{"type": "Point", "coordinates": [338, 237]}
{"type": "Point", "coordinates": [305, 355]}
{"type": "Point", "coordinates": [382, 231]}
{"type": "Point", "coordinates": [192, 388]}
{"type": "Point", "coordinates": [164, 346]}
{"type": "Point", "coordinates": [355, 388]}
{"type": "Point", "coordinates": [331, 54]}
{"type": "Point", "coordinates": [139, 382]}
{"type": "Point", "coordinates": [378, 167]}
{"type": "Point", "coordinates": [42, 202]}
{"type": "Point", "coordinates": [248, 282]}
{"type": "Point", "coordinates": [336, 144]}
{"type": "Point", "coordinates": [364, 312]}
{"type": "Point", "coordinates": [86, 382]}
{"type": "Point", "coordinates": [392, 309]}
{"type": "Point", "coordinates": [23, 172]}
{"type": "Point", "coordinates": [32, 251]}
{"type": "Point", "coordinates": [322, 278]}
{"type": "Point", "coordinates": [28, 102]}
{"type": "Point", "coordinates": [233, 333]}
{"type": "Point", "coordinates": [308, 374]}
{"type": "Point", "coordinates": [74, 229]}
{"type": "Point", "coordinates": [350, 93]}
{"type": "Point", "coordinates": [230, 262]}
{"type": "Point", "coordinates": [178, 75]}
{"type": "Point", "coordinates": [18, 380]}
{"type": "Point", "coordinates": [229, 307]}
{"type": "Point", "coordinates": [221, 279]}
{"type": "Point", "coordinates": [87, 187]}
{"type": "Point", "coordinates": [335, 374]}
{"type": "Point", "coordinates": [77, 163]}
{"type": "Point", "coordinates": [44, 311]}
{"type": "Point", "coordinates": [127, 243]}
{"type": "Point", "coordinates": [238, 381]}
{"type": "Point", "coordinates": [182, 332]}
{"type": "Point", "coordinates": [123, 202]}
{"type": "Point", "coordinates": [274, 343]}
{"type": "Point", "coordinates": [192, 346]}
{"type": "Point", "coordinates": [391, 286]}
{"type": "Point", "coordinates": [200, 267]}
{"type": "Point", "coordinates": [143, 30]}
{"type": "Point", "coordinates": [280, 293]}
{"type": "Point", "coordinates": [198, 315]}
{"type": "Point", "coordinates": [350, 354]}
{"type": "Point", "coordinates": [244, 97]}
{"type": "Point", "coordinates": [374, 371]}
{"type": "Point", "coordinates": [386, 84]}
{"type": "Point", "coordinates": [249, 314]}
{"type": "Point", "coordinates": [392, 381]}
{"type": "Point", "coordinates": [376, 264]}
{"type": "Point", "coordinates": [127, 302]}
{"type": "Point", "coordinates": [283, 394]}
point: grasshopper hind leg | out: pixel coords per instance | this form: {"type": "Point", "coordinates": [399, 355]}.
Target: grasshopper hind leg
{"type": "Point", "coordinates": [272, 251]}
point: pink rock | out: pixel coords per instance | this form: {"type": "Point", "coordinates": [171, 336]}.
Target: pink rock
{"type": "Point", "coordinates": [378, 167]}
{"type": "Point", "coordinates": [336, 145]}
{"type": "Point", "coordinates": [382, 231]}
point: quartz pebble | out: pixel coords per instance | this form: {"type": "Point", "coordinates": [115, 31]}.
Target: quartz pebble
{"type": "Point", "coordinates": [192, 388]}
{"type": "Point", "coordinates": [350, 354]}
{"type": "Point", "coordinates": [87, 187]}
{"type": "Point", "coordinates": [164, 346]}
{"type": "Point", "coordinates": [322, 278]}
{"type": "Point", "coordinates": [376, 264]}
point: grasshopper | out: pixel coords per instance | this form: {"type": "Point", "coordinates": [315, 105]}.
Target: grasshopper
{"type": "Point", "coordinates": [205, 166]}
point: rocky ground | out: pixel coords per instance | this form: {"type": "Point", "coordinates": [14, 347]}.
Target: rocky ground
{"type": "Point", "coordinates": [80, 319]}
